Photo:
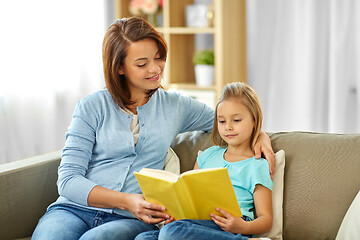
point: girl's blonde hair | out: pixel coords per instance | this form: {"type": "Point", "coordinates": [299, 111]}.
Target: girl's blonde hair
{"type": "Point", "coordinates": [246, 95]}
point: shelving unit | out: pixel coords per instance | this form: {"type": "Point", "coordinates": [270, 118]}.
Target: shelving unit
{"type": "Point", "coordinates": [229, 32]}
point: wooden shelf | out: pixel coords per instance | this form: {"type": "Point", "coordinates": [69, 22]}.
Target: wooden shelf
{"type": "Point", "coordinates": [189, 86]}
{"type": "Point", "coordinates": [229, 33]}
{"type": "Point", "coordinates": [186, 30]}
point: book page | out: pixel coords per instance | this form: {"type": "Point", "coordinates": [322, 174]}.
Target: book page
{"type": "Point", "coordinates": [161, 192]}
{"type": "Point", "coordinates": [161, 174]}
{"type": "Point", "coordinates": [212, 189]}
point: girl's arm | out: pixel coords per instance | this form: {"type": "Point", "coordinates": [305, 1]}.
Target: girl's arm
{"type": "Point", "coordinates": [263, 145]}
{"type": "Point", "coordinates": [263, 222]}
{"type": "Point", "coordinates": [196, 166]}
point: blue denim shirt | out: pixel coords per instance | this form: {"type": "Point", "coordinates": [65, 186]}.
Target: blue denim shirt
{"type": "Point", "coordinates": [100, 150]}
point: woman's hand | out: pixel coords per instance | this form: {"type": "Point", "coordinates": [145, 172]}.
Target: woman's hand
{"type": "Point", "coordinates": [263, 145]}
{"type": "Point", "coordinates": [229, 223]}
{"type": "Point", "coordinates": [147, 212]}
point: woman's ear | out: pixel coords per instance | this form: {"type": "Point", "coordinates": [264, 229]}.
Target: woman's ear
{"type": "Point", "coordinates": [121, 71]}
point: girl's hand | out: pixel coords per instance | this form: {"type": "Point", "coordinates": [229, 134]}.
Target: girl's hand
{"type": "Point", "coordinates": [228, 222]}
{"type": "Point", "coordinates": [263, 145]}
{"type": "Point", "coordinates": [147, 212]}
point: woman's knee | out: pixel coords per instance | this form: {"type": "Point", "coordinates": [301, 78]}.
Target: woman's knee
{"type": "Point", "coordinates": [59, 224]}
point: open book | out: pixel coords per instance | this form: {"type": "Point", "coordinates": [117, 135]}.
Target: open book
{"type": "Point", "coordinates": [192, 195]}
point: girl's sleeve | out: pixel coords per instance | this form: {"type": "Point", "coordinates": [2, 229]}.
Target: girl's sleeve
{"type": "Point", "coordinates": [261, 175]}
{"type": "Point", "coordinates": [80, 140]}
{"type": "Point", "coordinates": [196, 116]}
{"type": "Point", "coordinates": [204, 156]}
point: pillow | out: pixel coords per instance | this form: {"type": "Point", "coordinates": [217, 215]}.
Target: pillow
{"type": "Point", "coordinates": [172, 162]}
{"type": "Point", "coordinates": [349, 228]}
{"type": "Point", "coordinates": [275, 232]}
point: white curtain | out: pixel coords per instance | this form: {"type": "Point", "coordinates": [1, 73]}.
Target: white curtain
{"type": "Point", "coordinates": [304, 60]}
{"type": "Point", "coordinates": [50, 56]}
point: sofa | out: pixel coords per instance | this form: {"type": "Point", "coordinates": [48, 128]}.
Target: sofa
{"type": "Point", "coordinates": [321, 179]}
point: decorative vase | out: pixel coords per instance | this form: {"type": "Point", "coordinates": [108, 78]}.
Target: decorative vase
{"type": "Point", "coordinates": [204, 75]}
{"type": "Point", "coordinates": [151, 18]}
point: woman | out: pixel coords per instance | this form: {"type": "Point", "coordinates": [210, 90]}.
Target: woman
{"type": "Point", "coordinates": [116, 131]}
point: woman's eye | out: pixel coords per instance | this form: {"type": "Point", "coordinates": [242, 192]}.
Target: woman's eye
{"type": "Point", "coordinates": [237, 120]}
{"type": "Point", "coordinates": [142, 65]}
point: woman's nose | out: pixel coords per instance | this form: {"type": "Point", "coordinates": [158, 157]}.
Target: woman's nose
{"type": "Point", "coordinates": [155, 68]}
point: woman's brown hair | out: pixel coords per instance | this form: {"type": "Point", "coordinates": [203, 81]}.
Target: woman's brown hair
{"type": "Point", "coordinates": [116, 42]}
{"type": "Point", "coordinates": [243, 93]}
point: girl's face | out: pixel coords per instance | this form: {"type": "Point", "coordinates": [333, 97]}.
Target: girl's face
{"type": "Point", "coordinates": [143, 67]}
{"type": "Point", "coordinates": [235, 123]}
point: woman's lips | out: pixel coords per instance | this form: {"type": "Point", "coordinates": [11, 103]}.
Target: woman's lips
{"type": "Point", "coordinates": [154, 78]}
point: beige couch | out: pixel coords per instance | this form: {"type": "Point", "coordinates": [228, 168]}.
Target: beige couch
{"type": "Point", "coordinates": [322, 177]}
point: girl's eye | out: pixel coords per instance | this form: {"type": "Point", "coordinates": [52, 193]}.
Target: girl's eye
{"type": "Point", "coordinates": [221, 122]}
{"type": "Point", "coordinates": [142, 65]}
{"type": "Point", "coordinates": [237, 120]}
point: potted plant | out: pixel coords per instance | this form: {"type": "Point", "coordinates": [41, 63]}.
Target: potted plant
{"type": "Point", "coordinates": [204, 67]}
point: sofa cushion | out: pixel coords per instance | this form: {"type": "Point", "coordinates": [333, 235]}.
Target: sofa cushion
{"type": "Point", "coordinates": [27, 186]}
{"type": "Point", "coordinates": [321, 179]}
{"type": "Point", "coordinates": [277, 198]}
{"type": "Point", "coordinates": [350, 226]}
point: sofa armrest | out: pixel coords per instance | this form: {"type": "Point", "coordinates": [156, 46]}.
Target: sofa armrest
{"type": "Point", "coordinates": [27, 187]}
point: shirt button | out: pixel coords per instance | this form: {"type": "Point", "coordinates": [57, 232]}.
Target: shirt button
{"type": "Point", "coordinates": [142, 125]}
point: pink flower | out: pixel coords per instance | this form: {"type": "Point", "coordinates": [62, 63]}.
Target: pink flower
{"type": "Point", "coordinates": [150, 6]}
{"type": "Point", "coordinates": [135, 7]}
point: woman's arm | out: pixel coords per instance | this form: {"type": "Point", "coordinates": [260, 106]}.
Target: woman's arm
{"type": "Point", "coordinates": [147, 212]}
{"type": "Point", "coordinates": [263, 145]}
{"type": "Point", "coordinates": [263, 222]}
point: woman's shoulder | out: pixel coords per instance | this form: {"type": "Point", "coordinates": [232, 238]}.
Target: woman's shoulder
{"type": "Point", "coordinates": [96, 101]}
{"type": "Point", "coordinates": [170, 95]}
{"type": "Point", "coordinates": [96, 96]}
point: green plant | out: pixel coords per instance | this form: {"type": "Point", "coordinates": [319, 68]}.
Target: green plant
{"type": "Point", "coordinates": [204, 57]}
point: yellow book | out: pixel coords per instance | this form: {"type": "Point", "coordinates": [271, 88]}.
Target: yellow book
{"type": "Point", "coordinates": [192, 195]}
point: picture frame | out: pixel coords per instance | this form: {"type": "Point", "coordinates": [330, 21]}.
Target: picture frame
{"type": "Point", "coordinates": [196, 15]}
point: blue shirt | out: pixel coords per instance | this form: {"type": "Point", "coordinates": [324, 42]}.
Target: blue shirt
{"type": "Point", "coordinates": [100, 149]}
{"type": "Point", "coordinates": [244, 175]}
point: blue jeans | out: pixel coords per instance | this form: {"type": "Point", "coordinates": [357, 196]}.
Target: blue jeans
{"type": "Point", "coordinates": [191, 229]}
{"type": "Point", "coordinates": [69, 222]}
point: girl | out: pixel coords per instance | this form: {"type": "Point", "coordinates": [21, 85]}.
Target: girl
{"type": "Point", "coordinates": [114, 132]}
{"type": "Point", "coordinates": [237, 125]}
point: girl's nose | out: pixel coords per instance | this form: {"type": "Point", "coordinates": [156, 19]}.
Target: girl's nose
{"type": "Point", "coordinates": [229, 126]}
